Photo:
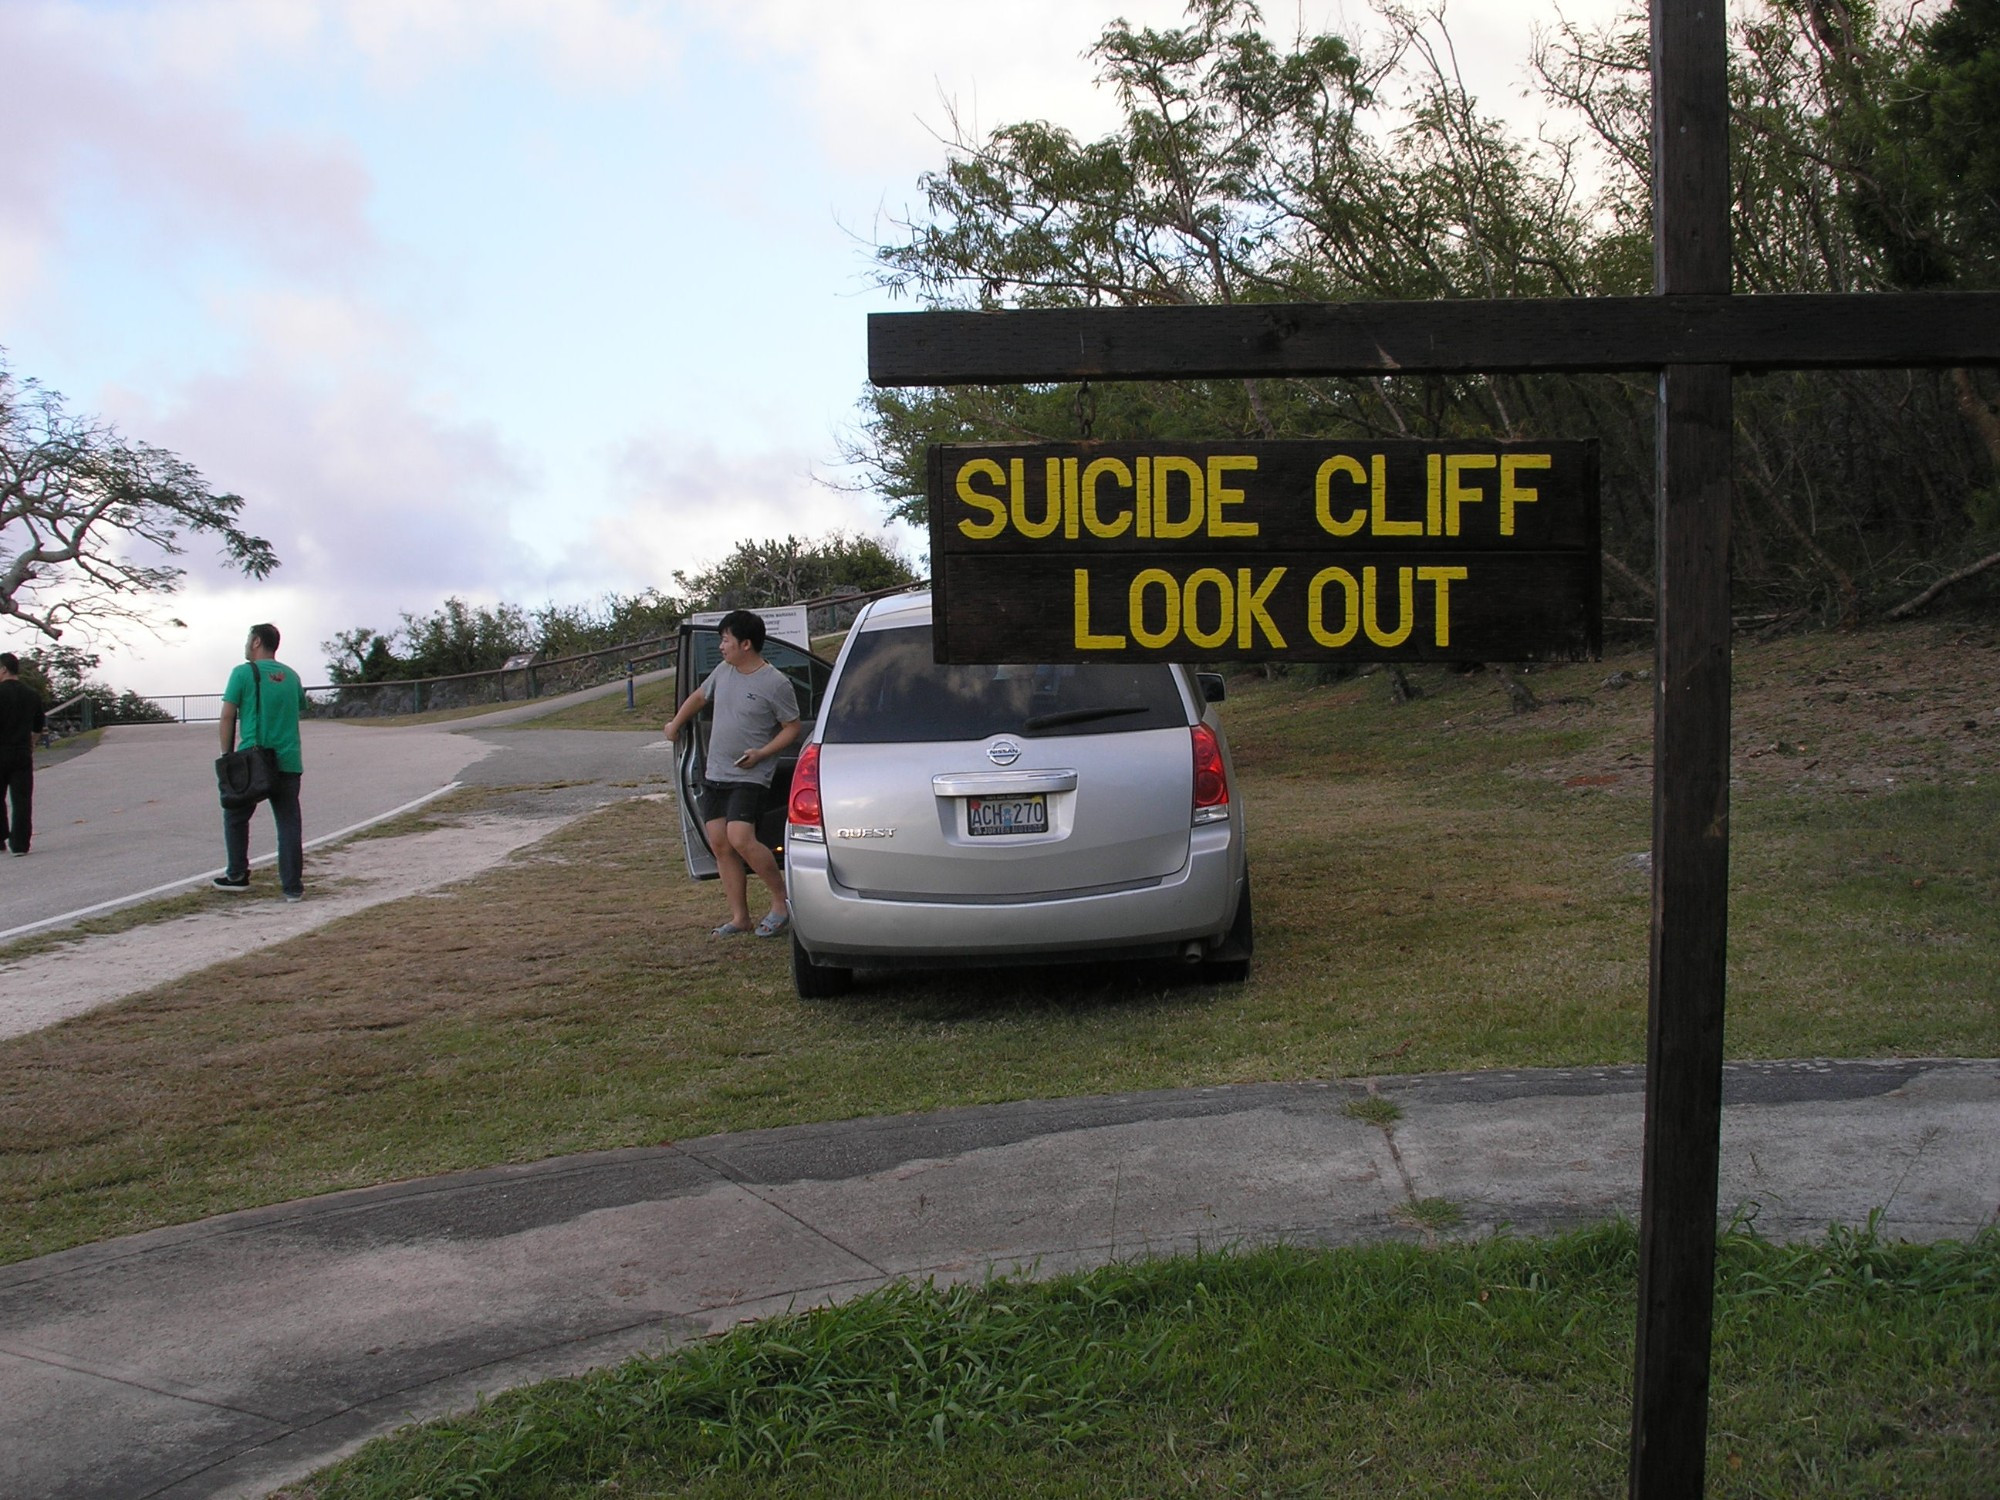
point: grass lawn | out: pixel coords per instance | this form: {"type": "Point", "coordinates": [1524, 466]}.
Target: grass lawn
{"type": "Point", "coordinates": [1440, 885]}
{"type": "Point", "coordinates": [1849, 1368]}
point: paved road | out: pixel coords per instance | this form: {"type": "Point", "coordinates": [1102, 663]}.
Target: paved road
{"type": "Point", "coordinates": [137, 816]}
{"type": "Point", "coordinates": [225, 1358]}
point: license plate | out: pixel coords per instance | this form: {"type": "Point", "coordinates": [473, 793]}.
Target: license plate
{"type": "Point", "coordinates": [1000, 816]}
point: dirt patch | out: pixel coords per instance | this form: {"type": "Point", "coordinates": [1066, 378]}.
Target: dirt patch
{"type": "Point", "coordinates": [44, 988]}
{"type": "Point", "coordinates": [1834, 712]}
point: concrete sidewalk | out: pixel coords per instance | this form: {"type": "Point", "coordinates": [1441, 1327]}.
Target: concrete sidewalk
{"type": "Point", "coordinates": [135, 816]}
{"type": "Point", "coordinates": [228, 1357]}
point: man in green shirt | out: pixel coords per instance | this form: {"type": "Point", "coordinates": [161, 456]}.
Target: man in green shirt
{"type": "Point", "coordinates": [263, 700]}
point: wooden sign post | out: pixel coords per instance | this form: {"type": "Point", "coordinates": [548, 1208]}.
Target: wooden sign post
{"type": "Point", "coordinates": [1694, 334]}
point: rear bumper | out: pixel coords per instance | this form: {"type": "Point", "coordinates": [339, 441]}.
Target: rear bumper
{"type": "Point", "coordinates": [836, 924]}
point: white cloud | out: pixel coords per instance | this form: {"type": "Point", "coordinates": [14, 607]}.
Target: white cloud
{"type": "Point", "coordinates": [200, 170]}
{"type": "Point", "coordinates": [683, 507]}
{"type": "Point", "coordinates": [886, 75]}
{"type": "Point", "coordinates": [402, 43]}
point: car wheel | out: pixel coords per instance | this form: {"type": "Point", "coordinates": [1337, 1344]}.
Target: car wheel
{"type": "Point", "coordinates": [817, 981]}
{"type": "Point", "coordinates": [1233, 964]}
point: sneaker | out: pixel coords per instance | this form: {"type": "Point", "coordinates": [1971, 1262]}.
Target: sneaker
{"type": "Point", "coordinates": [295, 895]}
{"type": "Point", "coordinates": [231, 882]}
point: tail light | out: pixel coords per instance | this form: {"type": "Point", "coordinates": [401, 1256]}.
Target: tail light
{"type": "Point", "coordinates": [802, 810]}
{"type": "Point", "coordinates": [1211, 779]}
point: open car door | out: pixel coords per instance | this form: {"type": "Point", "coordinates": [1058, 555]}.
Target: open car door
{"type": "Point", "coordinates": [699, 652]}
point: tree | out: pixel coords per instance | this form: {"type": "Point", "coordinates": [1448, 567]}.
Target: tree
{"type": "Point", "coordinates": [615, 620]}
{"type": "Point", "coordinates": [460, 638]}
{"type": "Point", "coordinates": [784, 572]}
{"type": "Point", "coordinates": [362, 655]}
{"type": "Point", "coordinates": [1861, 160]}
{"type": "Point", "coordinates": [61, 674]}
{"type": "Point", "coordinates": [1243, 171]}
{"type": "Point", "coordinates": [89, 521]}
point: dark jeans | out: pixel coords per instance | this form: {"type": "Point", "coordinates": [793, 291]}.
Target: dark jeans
{"type": "Point", "coordinates": [285, 811]}
{"type": "Point", "coordinates": [18, 830]}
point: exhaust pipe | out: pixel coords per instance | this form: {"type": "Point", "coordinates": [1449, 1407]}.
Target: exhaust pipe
{"type": "Point", "coordinates": [1191, 952]}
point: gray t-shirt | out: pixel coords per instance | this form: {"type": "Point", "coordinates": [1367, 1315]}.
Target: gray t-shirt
{"type": "Point", "coordinates": [749, 708]}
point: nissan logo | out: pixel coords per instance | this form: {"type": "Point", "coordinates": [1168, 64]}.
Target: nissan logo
{"type": "Point", "coordinates": [1003, 752]}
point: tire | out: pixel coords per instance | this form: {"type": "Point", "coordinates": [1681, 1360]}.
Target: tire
{"type": "Point", "coordinates": [1232, 963]}
{"type": "Point", "coordinates": [817, 981]}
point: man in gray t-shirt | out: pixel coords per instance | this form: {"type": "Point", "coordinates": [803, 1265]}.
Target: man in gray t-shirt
{"type": "Point", "coordinates": [756, 717]}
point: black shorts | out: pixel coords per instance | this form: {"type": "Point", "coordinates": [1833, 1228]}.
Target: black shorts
{"type": "Point", "coordinates": [731, 801]}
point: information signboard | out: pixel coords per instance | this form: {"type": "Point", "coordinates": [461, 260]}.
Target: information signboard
{"type": "Point", "coordinates": [785, 622]}
{"type": "Point", "coordinates": [1260, 551]}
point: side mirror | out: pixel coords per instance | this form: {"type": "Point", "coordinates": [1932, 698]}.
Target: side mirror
{"type": "Point", "coordinates": [1213, 689]}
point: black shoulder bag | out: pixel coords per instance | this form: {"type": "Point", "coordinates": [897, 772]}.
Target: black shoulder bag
{"type": "Point", "coordinates": [245, 777]}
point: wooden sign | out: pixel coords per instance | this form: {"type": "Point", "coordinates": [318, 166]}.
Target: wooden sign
{"type": "Point", "coordinates": [1265, 551]}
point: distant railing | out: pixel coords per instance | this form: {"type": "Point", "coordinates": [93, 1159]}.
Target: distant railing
{"type": "Point", "coordinates": [511, 683]}
{"type": "Point", "coordinates": [72, 716]}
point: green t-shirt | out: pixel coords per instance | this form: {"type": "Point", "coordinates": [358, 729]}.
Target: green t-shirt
{"type": "Point", "coordinates": [284, 696]}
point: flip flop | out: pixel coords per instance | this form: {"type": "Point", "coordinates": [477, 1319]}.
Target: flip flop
{"type": "Point", "coordinates": [729, 929]}
{"type": "Point", "coordinates": [773, 924]}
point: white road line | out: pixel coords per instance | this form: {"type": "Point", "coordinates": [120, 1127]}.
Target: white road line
{"type": "Point", "coordinates": [173, 885]}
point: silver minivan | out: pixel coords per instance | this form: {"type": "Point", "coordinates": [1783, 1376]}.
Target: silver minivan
{"type": "Point", "coordinates": [943, 816]}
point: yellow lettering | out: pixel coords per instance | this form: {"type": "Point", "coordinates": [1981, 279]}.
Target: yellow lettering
{"type": "Point", "coordinates": [1085, 640]}
{"type": "Point", "coordinates": [1383, 526]}
{"type": "Point", "coordinates": [1513, 494]}
{"type": "Point", "coordinates": [1136, 607]}
{"type": "Point", "coordinates": [1456, 494]}
{"type": "Point", "coordinates": [1349, 468]}
{"type": "Point", "coordinates": [1225, 625]}
{"type": "Point", "coordinates": [1092, 522]}
{"type": "Point", "coordinates": [1250, 608]}
{"type": "Point", "coordinates": [1443, 578]}
{"type": "Point", "coordinates": [1371, 617]}
{"type": "Point", "coordinates": [1165, 528]}
{"type": "Point", "coordinates": [1069, 489]}
{"type": "Point", "coordinates": [994, 507]}
{"type": "Point", "coordinates": [1316, 607]}
{"type": "Point", "coordinates": [1051, 494]}
{"type": "Point", "coordinates": [1433, 495]}
{"type": "Point", "coordinates": [1142, 497]}
{"type": "Point", "coordinates": [1219, 465]}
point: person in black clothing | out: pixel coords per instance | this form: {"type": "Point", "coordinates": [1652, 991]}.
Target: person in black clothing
{"type": "Point", "coordinates": [21, 719]}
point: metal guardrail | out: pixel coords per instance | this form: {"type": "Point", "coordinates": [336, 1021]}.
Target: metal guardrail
{"type": "Point", "coordinates": [499, 685]}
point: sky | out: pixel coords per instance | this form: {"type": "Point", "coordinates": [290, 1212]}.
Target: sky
{"type": "Point", "coordinates": [521, 300]}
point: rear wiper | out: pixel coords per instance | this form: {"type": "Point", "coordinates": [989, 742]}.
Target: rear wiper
{"type": "Point", "coordinates": [1081, 716]}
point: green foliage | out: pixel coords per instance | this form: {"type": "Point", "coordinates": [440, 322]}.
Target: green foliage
{"type": "Point", "coordinates": [1921, 111]}
{"type": "Point", "coordinates": [454, 639]}
{"type": "Point", "coordinates": [61, 673]}
{"type": "Point", "coordinates": [460, 637]}
{"type": "Point", "coordinates": [614, 620]}
{"type": "Point", "coordinates": [89, 521]}
{"type": "Point", "coordinates": [1242, 171]}
{"type": "Point", "coordinates": [785, 572]}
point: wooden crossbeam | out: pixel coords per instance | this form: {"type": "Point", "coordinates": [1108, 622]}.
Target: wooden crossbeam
{"type": "Point", "coordinates": [1887, 330]}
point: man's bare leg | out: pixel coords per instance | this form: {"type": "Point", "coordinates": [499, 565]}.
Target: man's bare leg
{"type": "Point", "coordinates": [763, 864]}
{"type": "Point", "coordinates": [729, 866]}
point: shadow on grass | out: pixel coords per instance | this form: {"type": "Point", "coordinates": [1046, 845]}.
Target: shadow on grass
{"type": "Point", "coordinates": [992, 997]}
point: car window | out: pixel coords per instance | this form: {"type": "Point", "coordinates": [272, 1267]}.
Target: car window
{"type": "Point", "coordinates": [890, 691]}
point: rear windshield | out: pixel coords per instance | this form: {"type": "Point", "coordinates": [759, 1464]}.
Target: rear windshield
{"type": "Point", "coordinates": [891, 691]}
